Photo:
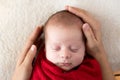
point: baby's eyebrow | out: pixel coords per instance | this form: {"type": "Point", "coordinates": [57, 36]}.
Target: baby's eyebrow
{"type": "Point", "coordinates": [55, 44]}
{"type": "Point", "coordinates": [75, 45]}
{"type": "Point", "coordinates": [76, 41]}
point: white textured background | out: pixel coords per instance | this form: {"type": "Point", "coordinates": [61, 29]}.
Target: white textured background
{"type": "Point", "coordinates": [19, 17]}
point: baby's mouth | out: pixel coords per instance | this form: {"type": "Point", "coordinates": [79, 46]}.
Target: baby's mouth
{"type": "Point", "coordinates": [65, 64]}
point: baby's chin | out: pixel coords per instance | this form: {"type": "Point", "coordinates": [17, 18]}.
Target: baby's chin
{"type": "Point", "coordinates": [67, 68]}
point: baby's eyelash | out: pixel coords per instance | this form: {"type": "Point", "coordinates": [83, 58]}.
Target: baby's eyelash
{"type": "Point", "coordinates": [74, 50]}
{"type": "Point", "coordinates": [56, 48]}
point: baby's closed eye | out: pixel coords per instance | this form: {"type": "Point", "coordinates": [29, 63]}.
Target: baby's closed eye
{"type": "Point", "coordinates": [56, 48]}
{"type": "Point", "coordinates": [74, 48]}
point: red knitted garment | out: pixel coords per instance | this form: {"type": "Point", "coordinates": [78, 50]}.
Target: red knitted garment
{"type": "Point", "coordinates": [45, 70]}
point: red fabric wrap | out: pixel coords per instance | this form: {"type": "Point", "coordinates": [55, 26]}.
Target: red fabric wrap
{"type": "Point", "coordinates": [45, 70]}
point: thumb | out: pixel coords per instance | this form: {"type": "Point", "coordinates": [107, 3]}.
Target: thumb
{"type": "Point", "coordinates": [30, 55]}
{"type": "Point", "coordinates": [88, 33]}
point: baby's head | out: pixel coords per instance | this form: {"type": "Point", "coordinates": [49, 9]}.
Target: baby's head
{"type": "Point", "coordinates": [64, 43]}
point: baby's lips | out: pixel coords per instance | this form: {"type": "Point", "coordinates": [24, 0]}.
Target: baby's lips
{"type": "Point", "coordinates": [65, 64]}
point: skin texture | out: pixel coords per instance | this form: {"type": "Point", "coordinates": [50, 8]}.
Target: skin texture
{"type": "Point", "coordinates": [94, 45]}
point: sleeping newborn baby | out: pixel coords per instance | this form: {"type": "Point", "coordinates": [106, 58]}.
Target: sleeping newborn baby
{"type": "Point", "coordinates": [64, 41]}
{"type": "Point", "coordinates": [63, 57]}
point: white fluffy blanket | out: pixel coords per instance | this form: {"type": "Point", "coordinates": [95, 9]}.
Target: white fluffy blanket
{"type": "Point", "coordinates": [19, 17]}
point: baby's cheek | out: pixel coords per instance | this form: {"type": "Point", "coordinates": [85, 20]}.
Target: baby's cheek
{"type": "Point", "coordinates": [51, 57]}
{"type": "Point", "coordinates": [82, 55]}
{"type": "Point", "coordinates": [78, 61]}
{"type": "Point", "coordinates": [79, 58]}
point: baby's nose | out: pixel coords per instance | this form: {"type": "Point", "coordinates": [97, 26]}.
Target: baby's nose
{"type": "Point", "coordinates": [65, 54]}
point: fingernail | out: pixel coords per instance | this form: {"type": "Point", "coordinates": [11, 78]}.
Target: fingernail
{"type": "Point", "coordinates": [86, 26]}
{"type": "Point", "coordinates": [32, 47]}
{"type": "Point", "coordinates": [66, 7]}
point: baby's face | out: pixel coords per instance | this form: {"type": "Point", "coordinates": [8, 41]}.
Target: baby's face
{"type": "Point", "coordinates": [65, 47]}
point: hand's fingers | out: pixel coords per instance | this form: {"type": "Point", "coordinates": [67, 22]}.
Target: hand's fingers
{"type": "Point", "coordinates": [39, 44]}
{"type": "Point", "coordinates": [33, 38]}
{"type": "Point", "coordinates": [39, 41]}
{"type": "Point", "coordinates": [87, 18]}
{"type": "Point", "coordinates": [30, 56]}
{"type": "Point", "coordinates": [28, 44]}
{"type": "Point", "coordinates": [88, 34]}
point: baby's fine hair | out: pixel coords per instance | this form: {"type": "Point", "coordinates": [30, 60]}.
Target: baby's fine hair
{"type": "Point", "coordinates": [63, 17]}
